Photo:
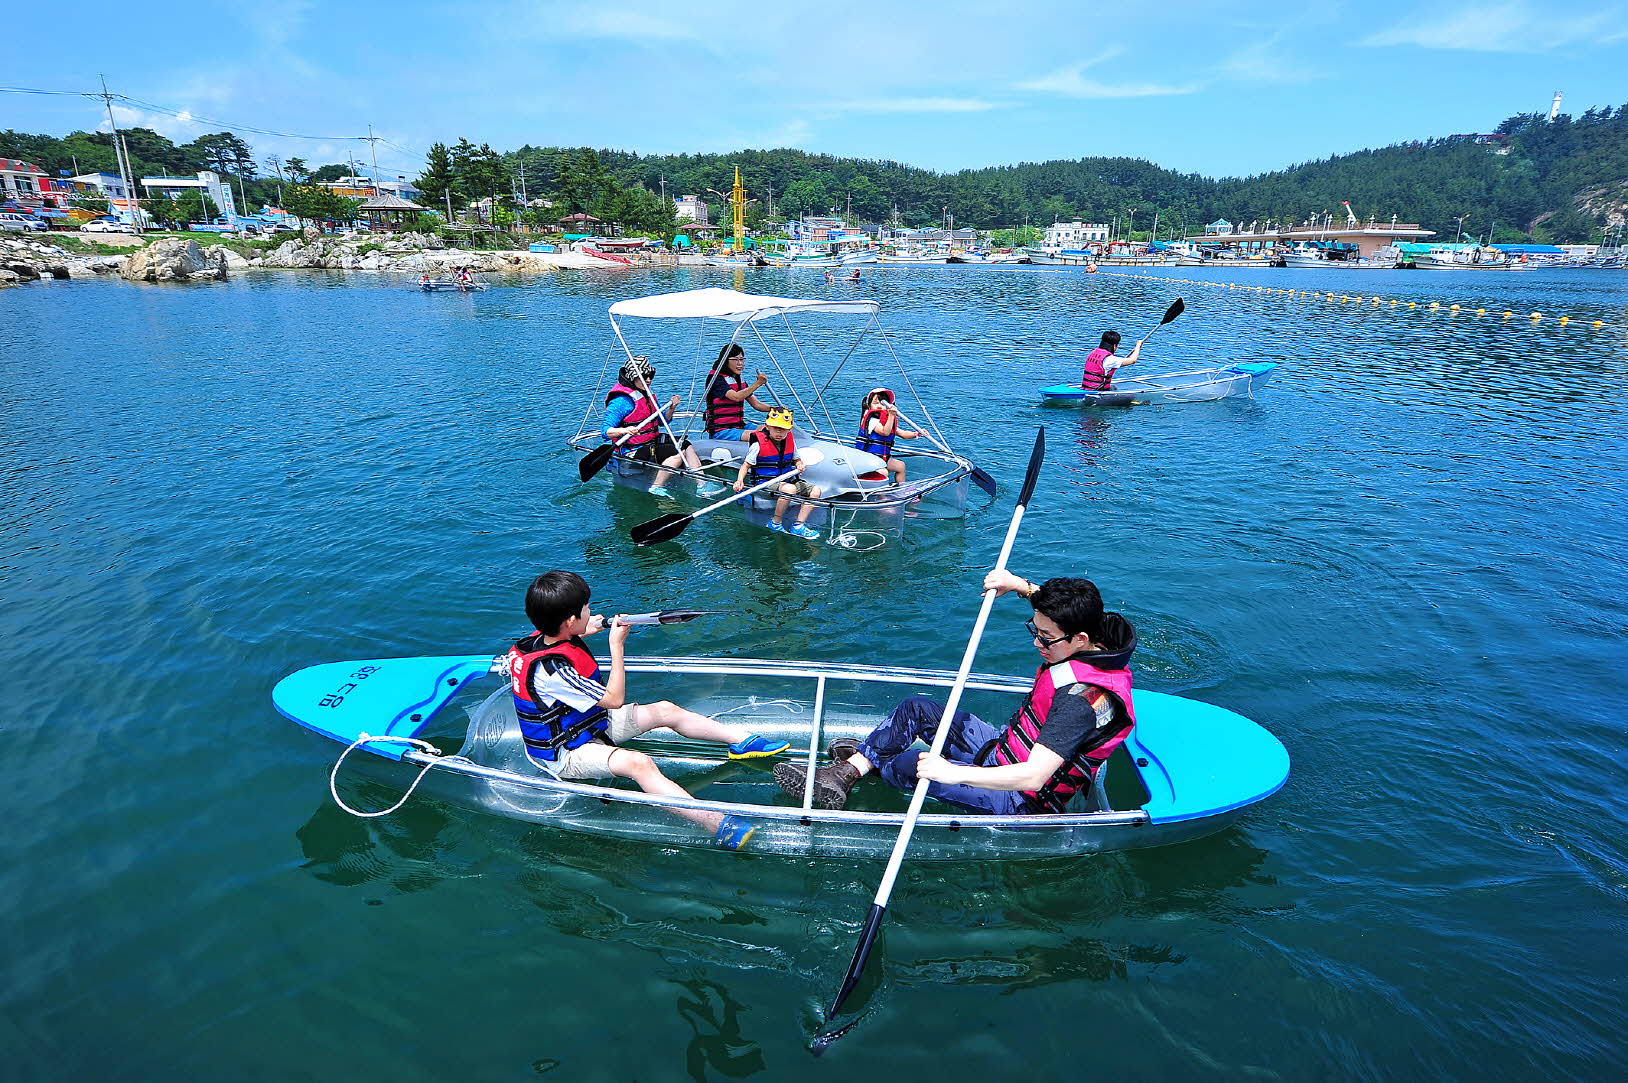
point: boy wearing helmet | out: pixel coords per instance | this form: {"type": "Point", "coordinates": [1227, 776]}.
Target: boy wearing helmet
{"type": "Point", "coordinates": [773, 452]}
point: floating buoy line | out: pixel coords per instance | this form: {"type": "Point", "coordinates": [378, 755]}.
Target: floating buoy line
{"type": "Point", "coordinates": [1374, 301]}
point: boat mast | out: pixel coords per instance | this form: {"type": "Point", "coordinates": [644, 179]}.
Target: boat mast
{"type": "Point", "coordinates": [737, 206]}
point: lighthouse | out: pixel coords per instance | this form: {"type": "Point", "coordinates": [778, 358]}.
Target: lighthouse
{"type": "Point", "coordinates": [1554, 106]}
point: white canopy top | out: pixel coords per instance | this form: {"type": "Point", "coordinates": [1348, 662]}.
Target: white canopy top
{"type": "Point", "coordinates": [720, 304]}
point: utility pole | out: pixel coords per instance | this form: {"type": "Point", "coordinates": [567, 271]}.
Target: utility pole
{"type": "Point", "coordinates": [277, 164]}
{"type": "Point", "coordinates": [125, 171]}
{"type": "Point", "coordinates": [373, 141]}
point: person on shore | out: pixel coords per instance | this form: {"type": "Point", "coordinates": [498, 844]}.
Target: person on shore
{"type": "Point", "coordinates": [630, 407]}
{"type": "Point", "coordinates": [773, 452]}
{"type": "Point", "coordinates": [573, 722]}
{"type": "Point", "coordinates": [1078, 711]}
{"type": "Point", "coordinates": [879, 427]}
{"type": "Point", "coordinates": [1101, 364]}
{"type": "Point", "coordinates": [728, 394]}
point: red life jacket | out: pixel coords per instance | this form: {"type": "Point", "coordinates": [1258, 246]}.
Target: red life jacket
{"type": "Point", "coordinates": [1096, 377]}
{"type": "Point", "coordinates": [772, 459]}
{"type": "Point", "coordinates": [550, 726]}
{"type": "Point", "coordinates": [874, 442]}
{"type": "Point", "coordinates": [724, 412]}
{"type": "Point", "coordinates": [644, 404]}
{"type": "Point", "coordinates": [1076, 773]}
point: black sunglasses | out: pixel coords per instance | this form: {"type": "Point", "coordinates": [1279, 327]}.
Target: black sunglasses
{"type": "Point", "coordinates": [1045, 641]}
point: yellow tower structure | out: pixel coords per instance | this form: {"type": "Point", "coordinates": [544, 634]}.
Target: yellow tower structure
{"type": "Point", "coordinates": [737, 208]}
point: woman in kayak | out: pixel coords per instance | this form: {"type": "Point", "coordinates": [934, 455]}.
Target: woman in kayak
{"type": "Point", "coordinates": [727, 394]}
{"type": "Point", "coordinates": [879, 427]}
{"type": "Point", "coordinates": [1101, 364]}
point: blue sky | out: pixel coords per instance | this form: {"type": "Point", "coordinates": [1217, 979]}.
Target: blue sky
{"type": "Point", "coordinates": [1214, 88]}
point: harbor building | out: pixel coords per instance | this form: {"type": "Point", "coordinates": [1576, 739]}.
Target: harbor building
{"type": "Point", "coordinates": [206, 181]}
{"type": "Point", "coordinates": [691, 209]}
{"type": "Point", "coordinates": [23, 183]}
{"type": "Point", "coordinates": [1366, 238]}
{"type": "Point", "coordinates": [1074, 234]}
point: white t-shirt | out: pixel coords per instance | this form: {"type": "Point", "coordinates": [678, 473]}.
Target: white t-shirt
{"type": "Point", "coordinates": [555, 680]}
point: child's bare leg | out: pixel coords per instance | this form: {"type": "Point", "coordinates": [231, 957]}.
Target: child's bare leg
{"type": "Point", "coordinates": [651, 716]}
{"type": "Point", "coordinates": [897, 467]}
{"type": "Point", "coordinates": [626, 763]}
{"type": "Point", "coordinates": [808, 509]}
{"type": "Point", "coordinates": [782, 504]}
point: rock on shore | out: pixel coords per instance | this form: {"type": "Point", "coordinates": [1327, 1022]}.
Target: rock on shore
{"type": "Point", "coordinates": [175, 260]}
{"type": "Point", "coordinates": [412, 253]}
{"type": "Point", "coordinates": [26, 260]}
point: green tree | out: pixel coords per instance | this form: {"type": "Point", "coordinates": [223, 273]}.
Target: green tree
{"type": "Point", "coordinates": [224, 152]}
{"type": "Point", "coordinates": [297, 169]}
{"type": "Point", "coordinates": [437, 180]}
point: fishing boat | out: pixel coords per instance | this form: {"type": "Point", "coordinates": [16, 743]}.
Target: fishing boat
{"type": "Point", "coordinates": [860, 506]}
{"type": "Point", "coordinates": [913, 256]}
{"type": "Point", "coordinates": [1186, 770]}
{"type": "Point", "coordinates": [1194, 385]}
{"type": "Point", "coordinates": [1338, 255]}
{"type": "Point", "coordinates": [1456, 257]}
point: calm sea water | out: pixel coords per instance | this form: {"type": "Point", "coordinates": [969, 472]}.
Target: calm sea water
{"type": "Point", "coordinates": [1404, 558]}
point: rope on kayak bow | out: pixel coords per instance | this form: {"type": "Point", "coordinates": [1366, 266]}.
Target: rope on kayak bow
{"type": "Point", "coordinates": [333, 776]}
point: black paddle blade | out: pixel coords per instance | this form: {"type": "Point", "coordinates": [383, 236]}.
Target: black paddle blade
{"type": "Point", "coordinates": [862, 954]}
{"type": "Point", "coordinates": [593, 462]}
{"type": "Point", "coordinates": [1173, 311]}
{"type": "Point", "coordinates": [981, 478]}
{"type": "Point", "coordinates": [680, 616]}
{"type": "Point", "coordinates": [661, 528]}
{"type": "Point", "coordinates": [1035, 458]}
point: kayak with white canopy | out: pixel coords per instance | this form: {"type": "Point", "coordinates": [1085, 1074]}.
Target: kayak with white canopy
{"type": "Point", "coordinates": [1186, 770]}
{"type": "Point", "coordinates": [861, 505]}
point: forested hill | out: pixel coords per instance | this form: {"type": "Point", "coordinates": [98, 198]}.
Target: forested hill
{"type": "Point", "coordinates": [1553, 181]}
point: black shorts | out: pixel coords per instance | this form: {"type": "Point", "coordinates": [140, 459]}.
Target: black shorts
{"type": "Point", "coordinates": [657, 450]}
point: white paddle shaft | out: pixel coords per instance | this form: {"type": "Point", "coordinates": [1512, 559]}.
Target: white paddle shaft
{"type": "Point", "coordinates": [918, 796]}
{"type": "Point", "coordinates": [748, 492]}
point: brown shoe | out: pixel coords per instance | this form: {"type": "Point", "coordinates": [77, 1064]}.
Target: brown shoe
{"type": "Point", "coordinates": [831, 782]}
{"type": "Point", "coordinates": [842, 749]}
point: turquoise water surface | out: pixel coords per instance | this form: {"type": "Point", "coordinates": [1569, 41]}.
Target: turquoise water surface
{"type": "Point", "coordinates": [1404, 558]}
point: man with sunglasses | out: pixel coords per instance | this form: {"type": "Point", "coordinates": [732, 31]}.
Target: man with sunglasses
{"type": "Point", "coordinates": [1076, 713]}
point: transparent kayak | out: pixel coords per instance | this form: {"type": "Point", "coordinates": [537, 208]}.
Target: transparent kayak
{"type": "Point", "coordinates": [1188, 768]}
{"type": "Point", "coordinates": [1196, 385]}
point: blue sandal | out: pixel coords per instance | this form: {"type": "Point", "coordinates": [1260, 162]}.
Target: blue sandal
{"type": "Point", "coordinates": [755, 746]}
{"type": "Point", "coordinates": [733, 832]}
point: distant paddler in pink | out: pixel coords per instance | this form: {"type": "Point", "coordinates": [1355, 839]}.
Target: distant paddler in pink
{"type": "Point", "coordinates": [1101, 364]}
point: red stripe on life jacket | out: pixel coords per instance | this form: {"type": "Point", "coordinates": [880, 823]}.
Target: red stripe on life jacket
{"type": "Point", "coordinates": [1076, 773]}
{"type": "Point", "coordinates": [773, 460]}
{"type": "Point", "coordinates": [724, 412]}
{"type": "Point", "coordinates": [545, 728]}
{"type": "Point", "coordinates": [876, 443]}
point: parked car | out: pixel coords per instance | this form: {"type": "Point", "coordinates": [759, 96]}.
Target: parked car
{"type": "Point", "coordinates": [102, 225]}
{"type": "Point", "coordinates": [11, 222]}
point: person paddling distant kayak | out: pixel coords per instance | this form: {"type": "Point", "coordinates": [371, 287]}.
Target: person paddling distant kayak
{"type": "Point", "coordinates": [1101, 364]}
{"type": "Point", "coordinates": [573, 722]}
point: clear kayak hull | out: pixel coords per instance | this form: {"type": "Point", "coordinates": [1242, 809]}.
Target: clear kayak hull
{"type": "Point", "coordinates": [1188, 768]}
{"type": "Point", "coordinates": [1198, 385]}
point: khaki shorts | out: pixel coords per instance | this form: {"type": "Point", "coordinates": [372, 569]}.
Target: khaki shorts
{"type": "Point", "coordinates": [798, 485]}
{"type": "Point", "coordinates": [592, 760]}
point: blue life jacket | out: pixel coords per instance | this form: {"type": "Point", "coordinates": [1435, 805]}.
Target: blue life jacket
{"type": "Point", "coordinates": [875, 443]}
{"type": "Point", "coordinates": [550, 726]}
{"type": "Point", "coordinates": [773, 459]}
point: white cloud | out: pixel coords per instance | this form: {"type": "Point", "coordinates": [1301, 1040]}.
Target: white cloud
{"type": "Point", "coordinates": [625, 23]}
{"type": "Point", "coordinates": [1260, 62]}
{"type": "Point", "coordinates": [177, 129]}
{"type": "Point", "coordinates": [1072, 82]}
{"type": "Point", "coordinates": [1509, 27]}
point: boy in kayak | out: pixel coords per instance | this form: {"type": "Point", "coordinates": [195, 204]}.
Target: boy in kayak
{"type": "Point", "coordinates": [630, 410]}
{"type": "Point", "coordinates": [1077, 712]}
{"type": "Point", "coordinates": [773, 452]}
{"type": "Point", "coordinates": [1101, 364]}
{"type": "Point", "coordinates": [573, 722]}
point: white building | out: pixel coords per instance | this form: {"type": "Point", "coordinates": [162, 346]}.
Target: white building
{"type": "Point", "coordinates": [1075, 233]}
{"type": "Point", "coordinates": [206, 181]}
{"type": "Point", "coordinates": [108, 185]}
{"type": "Point", "coordinates": [691, 209]}
{"type": "Point", "coordinates": [363, 187]}
{"type": "Point", "coordinates": [21, 183]}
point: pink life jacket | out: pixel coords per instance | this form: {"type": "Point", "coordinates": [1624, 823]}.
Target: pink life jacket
{"type": "Point", "coordinates": [1096, 377]}
{"type": "Point", "coordinates": [644, 404]}
{"type": "Point", "coordinates": [1076, 774]}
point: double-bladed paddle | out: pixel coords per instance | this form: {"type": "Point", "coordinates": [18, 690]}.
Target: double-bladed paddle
{"type": "Point", "coordinates": [593, 462]}
{"type": "Point", "coordinates": [873, 920]}
{"type": "Point", "coordinates": [1169, 314]}
{"type": "Point", "coordinates": [665, 616]}
{"type": "Point", "coordinates": [667, 527]}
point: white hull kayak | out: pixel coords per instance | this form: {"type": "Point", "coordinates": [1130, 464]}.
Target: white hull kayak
{"type": "Point", "coordinates": [1186, 770]}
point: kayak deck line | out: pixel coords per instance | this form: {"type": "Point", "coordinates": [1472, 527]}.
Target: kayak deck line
{"type": "Point", "coordinates": [1190, 767]}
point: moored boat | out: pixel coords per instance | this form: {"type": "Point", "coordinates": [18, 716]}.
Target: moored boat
{"type": "Point", "coordinates": [1187, 769]}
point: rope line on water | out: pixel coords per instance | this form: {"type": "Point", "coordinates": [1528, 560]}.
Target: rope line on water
{"type": "Point", "coordinates": [362, 739]}
{"type": "Point", "coordinates": [1376, 301]}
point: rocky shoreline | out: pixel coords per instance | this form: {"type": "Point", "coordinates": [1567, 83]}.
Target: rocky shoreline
{"type": "Point", "coordinates": [177, 259]}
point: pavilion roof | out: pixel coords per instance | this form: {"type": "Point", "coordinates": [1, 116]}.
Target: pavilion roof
{"type": "Point", "coordinates": [384, 201]}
